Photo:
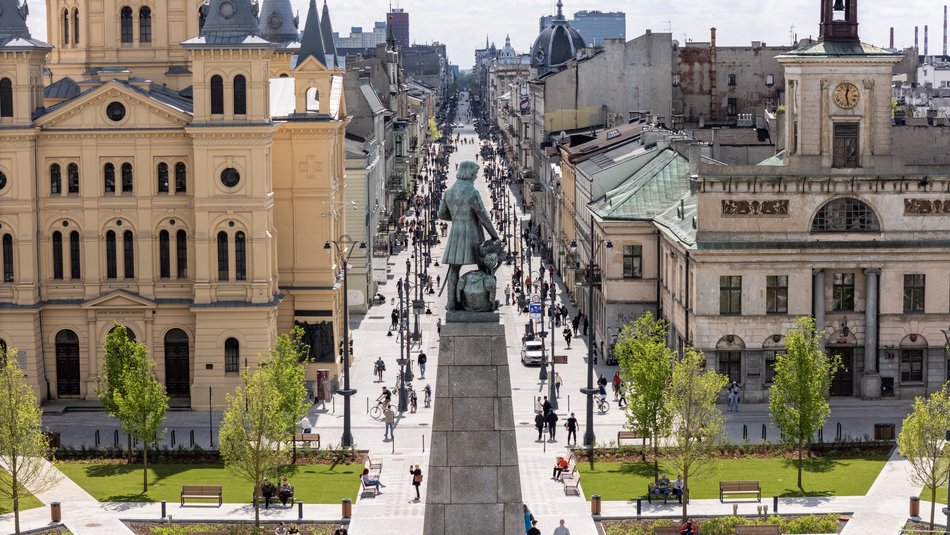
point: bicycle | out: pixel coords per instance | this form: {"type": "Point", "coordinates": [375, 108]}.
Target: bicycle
{"type": "Point", "coordinates": [603, 405]}
{"type": "Point", "coordinates": [377, 411]}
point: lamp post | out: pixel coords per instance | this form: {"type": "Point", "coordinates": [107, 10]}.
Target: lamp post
{"type": "Point", "coordinates": [552, 388]}
{"type": "Point", "coordinates": [402, 361]}
{"type": "Point", "coordinates": [347, 440]}
{"type": "Point", "coordinates": [589, 391]}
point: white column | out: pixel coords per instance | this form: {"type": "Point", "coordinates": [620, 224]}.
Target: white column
{"type": "Point", "coordinates": [871, 382]}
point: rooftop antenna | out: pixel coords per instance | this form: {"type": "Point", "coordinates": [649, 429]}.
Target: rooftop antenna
{"type": "Point", "coordinates": [669, 26]}
{"type": "Point", "coordinates": [791, 34]}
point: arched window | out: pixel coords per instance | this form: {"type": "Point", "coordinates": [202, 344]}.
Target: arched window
{"type": "Point", "coordinates": [7, 258]}
{"type": "Point", "coordinates": [232, 356]}
{"type": "Point", "coordinates": [845, 215]}
{"type": "Point", "coordinates": [126, 177]}
{"type": "Point", "coordinates": [164, 255]}
{"type": "Point", "coordinates": [240, 95]}
{"type": "Point", "coordinates": [163, 177]}
{"type": "Point", "coordinates": [72, 176]}
{"type": "Point", "coordinates": [57, 255]}
{"type": "Point", "coordinates": [145, 25]}
{"type": "Point", "coordinates": [181, 250]}
{"type": "Point", "coordinates": [65, 27]}
{"type": "Point", "coordinates": [6, 97]}
{"type": "Point", "coordinates": [75, 270]}
{"type": "Point", "coordinates": [108, 177]}
{"type": "Point", "coordinates": [111, 269]}
{"type": "Point", "coordinates": [129, 333]}
{"type": "Point", "coordinates": [313, 99]}
{"type": "Point", "coordinates": [223, 269]}
{"type": "Point", "coordinates": [76, 26]}
{"type": "Point", "coordinates": [128, 250]}
{"type": "Point", "coordinates": [125, 17]}
{"type": "Point", "coordinates": [240, 257]}
{"type": "Point", "coordinates": [217, 95]}
{"type": "Point", "coordinates": [181, 175]}
{"type": "Point", "coordinates": [55, 179]}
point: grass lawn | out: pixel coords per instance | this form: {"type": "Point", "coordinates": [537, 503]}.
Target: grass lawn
{"type": "Point", "coordinates": [941, 496]}
{"type": "Point", "coordinates": [107, 482]}
{"type": "Point", "coordinates": [827, 476]}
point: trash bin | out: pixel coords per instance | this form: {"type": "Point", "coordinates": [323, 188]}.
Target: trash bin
{"type": "Point", "coordinates": [914, 506]}
{"type": "Point", "coordinates": [884, 431]}
{"type": "Point", "coordinates": [55, 512]}
{"type": "Point", "coordinates": [347, 508]}
{"type": "Point", "coordinates": [595, 504]}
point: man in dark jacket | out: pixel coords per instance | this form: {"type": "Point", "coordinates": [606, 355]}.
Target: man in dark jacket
{"type": "Point", "coordinates": [551, 420]}
{"type": "Point", "coordinates": [539, 424]}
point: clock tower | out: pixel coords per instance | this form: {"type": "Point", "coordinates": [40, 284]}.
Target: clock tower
{"type": "Point", "coordinates": [838, 97]}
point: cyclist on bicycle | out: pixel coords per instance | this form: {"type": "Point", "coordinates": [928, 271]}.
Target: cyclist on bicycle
{"type": "Point", "coordinates": [386, 397]}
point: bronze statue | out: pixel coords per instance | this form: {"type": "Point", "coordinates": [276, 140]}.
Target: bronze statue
{"type": "Point", "coordinates": [462, 205]}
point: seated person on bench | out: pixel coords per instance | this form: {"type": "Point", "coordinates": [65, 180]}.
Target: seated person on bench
{"type": "Point", "coordinates": [678, 488]}
{"type": "Point", "coordinates": [369, 481]}
{"type": "Point", "coordinates": [560, 465]}
{"type": "Point", "coordinates": [663, 486]}
{"type": "Point", "coordinates": [285, 491]}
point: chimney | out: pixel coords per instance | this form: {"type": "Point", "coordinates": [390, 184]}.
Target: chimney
{"type": "Point", "coordinates": [925, 41]}
{"type": "Point", "coordinates": [713, 92]}
{"type": "Point", "coordinates": [945, 30]}
{"type": "Point", "coordinates": [916, 46]}
{"type": "Point", "coordinates": [715, 143]}
{"type": "Point", "coordinates": [695, 156]}
{"type": "Point", "coordinates": [892, 38]}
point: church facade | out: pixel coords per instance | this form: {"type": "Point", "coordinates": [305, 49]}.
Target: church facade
{"type": "Point", "coordinates": [176, 169]}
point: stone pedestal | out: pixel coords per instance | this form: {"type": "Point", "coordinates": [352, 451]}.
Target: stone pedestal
{"type": "Point", "coordinates": [871, 386]}
{"type": "Point", "coordinates": [474, 485]}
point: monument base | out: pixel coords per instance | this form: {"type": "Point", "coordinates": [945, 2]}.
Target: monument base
{"type": "Point", "coordinates": [871, 386]}
{"type": "Point", "coordinates": [465, 316]}
{"type": "Point", "coordinates": [474, 485]}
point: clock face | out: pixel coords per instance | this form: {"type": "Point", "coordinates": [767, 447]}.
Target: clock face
{"type": "Point", "coordinates": [846, 95]}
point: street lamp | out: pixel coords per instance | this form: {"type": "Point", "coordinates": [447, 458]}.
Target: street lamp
{"type": "Point", "coordinates": [344, 257]}
{"type": "Point", "coordinates": [589, 391]}
{"type": "Point", "coordinates": [552, 388]}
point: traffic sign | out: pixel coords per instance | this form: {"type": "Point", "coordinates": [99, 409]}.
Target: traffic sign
{"type": "Point", "coordinates": [535, 298]}
{"type": "Point", "coordinates": [534, 311]}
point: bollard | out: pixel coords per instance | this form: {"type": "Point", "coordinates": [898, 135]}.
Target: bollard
{"type": "Point", "coordinates": [639, 505]}
{"type": "Point", "coordinates": [367, 404]}
{"type": "Point", "coordinates": [333, 404]}
{"type": "Point", "coordinates": [775, 504]}
{"type": "Point", "coordinates": [299, 510]}
{"type": "Point", "coordinates": [192, 438]}
{"type": "Point", "coordinates": [568, 403]}
{"type": "Point", "coordinates": [763, 431]}
{"type": "Point", "coordinates": [115, 438]}
{"type": "Point", "coordinates": [745, 432]}
{"type": "Point", "coordinates": [394, 442]}
{"type": "Point", "coordinates": [97, 438]}
{"type": "Point", "coordinates": [173, 438]}
{"type": "Point", "coordinates": [347, 508]}
{"type": "Point", "coordinates": [595, 504]}
{"type": "Point", "coordinates": [838, 431]}
{"type": "Point", "coordinates": [735, 509]}
{"type": "Point", "coordinates": [821, 435]}
{"type": "Point", "coordinates": [423, 443]}
{"type": "Point", "coordinates": [163, 508]}
{"type": "Point", "coordinates": [55, 512]}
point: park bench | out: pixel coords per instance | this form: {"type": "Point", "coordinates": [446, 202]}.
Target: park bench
{"type": "Point", "coordinates": [628, 435]}
{"type": "Point", "coordinates": [200, 492]}
{"type": "Point", "coordinates": [276, 498]}
{"type": "Point", "coordinates": [364, 490]}
{"type": "Point", "coordinates": [308, 438]}
{"type": "Point", "coordinates": [730, 488]}
{"type": "Point", "coordinates": [766, 529]}
{"type": "Point", "coordinates": [666, 530]}
{"type": "Point", "coordinates": [374, 468]}
{"type": "Point", "coordinates": [571, 482]}
{"type": "Point", "coordinates": [571, 467]}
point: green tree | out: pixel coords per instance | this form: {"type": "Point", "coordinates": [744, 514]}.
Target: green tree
{"type": "Point", "coordinates": [141, 402]}
{"type": "Point", "coordinates": [646, 366]}
{"type": "Point", "coordinates": [697, 422]}
{"type": "Point", "coordinates": [119, 352]}
{"type": "Point", "coordinates": [285, 363]}
{"type": "Point", "coordinates": [24, 448]}
{"type": "Point", "coordinates": [798, 399]}
{"type": "Point", "coordinates": [251, 437]}
{"type": "Point", "coordinates": [922, 442]}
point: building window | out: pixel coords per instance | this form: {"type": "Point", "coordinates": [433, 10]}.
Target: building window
{"type": "Point", "coordinates": [240, 95]}
{"type": "Point", "coordinates": [776, 294]}
{"type": "Point", "coordinates": [72, 178]}
{"type": "Point", "coordinates": [731, 105]}
{"type": "Point", "coordinates": [181, 253]}
{"type": "Point", "coordinates": [912, 365]}
{"type": "Point", "coordinates": [111, 269]}
{"type": "Point", "coordinates": [232, 356]}
{"type": "Point", "coordinates": [75, 263]}
{"type": "Point", "coordinates": [55, 179]}
{"type": "Point", "coordinates": [240, 257]}
{"type": "Point", "coordinates": [125, 17]}
{"type": "Point", "coordinates": [164, 255]}
{"type": "Point", "coordinates": [217, 95]}
{"type": "Point", "coordinates": [126, 177]}
{"type": "Point", "coordinates": [6, 97]}
{"type": "Point", "coordinates": [181, 178]}
{"type": "Point", "coordinates": [7, 258]}
{"type": "Point", "coordinates": [842, 291]}
{"type": "Point", "coordinates": [163, 177]}
{"type": "Point", "coordinates": [730, 295]}
{"type": "Point", "coordinates": [845, 215]}
{"type": "Point", "coordinates": [57, 255]}
{"type": "Point", "coordinates": [108, 177]}
{"type": "Point", "coordinates": [76, 26]}
{"type": "Point", "coordinates": [732, 79]}
{"type": "Point", "coordinates": [632, 261]}
{"type": "Point", "coordinates": [914, 286]}
{"type": "Point", "coordinates": [730, 365]}
{"type": "Point", "coordinates": [128, 250]}
{"type": "Point", "coordinates": [223, 269]}
{"type": "Point", "coordinates": [145, 25]}
{"type": "Point", "coordinates": [770, 364]}
{"type": "Point", "coordinates": [65, 27]}
{"type": "Point", "coordinates": [313, 99]}
{"type": "Point", "coordinates": [845, 148]}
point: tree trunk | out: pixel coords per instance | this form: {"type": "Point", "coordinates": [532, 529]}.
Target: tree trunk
{"type": "Point", "coordinates": [257, 509]}
{"type": "Point", "coordinates": [130, 449]}
{"type": "Point", "coordinates": [144, 467]}
{"type": "Point", "coordinates": [16, 511]}
{"type": "Point", "coordinates": [933, 505]}
{"type": "Point", "coordinates": [685, 493]}
{"type": "Point", "coordinates": [800, 468]}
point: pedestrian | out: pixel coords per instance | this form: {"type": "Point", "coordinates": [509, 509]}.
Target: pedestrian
{"type": "Point", "coordinates": [571, 425]}
{"type": "Point", "coordinates": [438, 326]}
{"type": "Point", "coordinates": [528, 519]}
{"type": "Point", "coordinates": [507, 294]}
{"type": "Point", "coordinates": [390, 418]}
{"type": "Point", "coordinates": [539, 424]}
{"type": "Point", "coordinates": [422, 359]}
{"type": "Point", "coordinates": [546, 407]}
{"type": "Point", "coordinates": [567, 336]}
{"type": "Point", "coordinates": [576, 322]}
{"type": "Point", "coordinates": [416, 479]}
{"type": "Point", "coordinates": [341, 530]}
{"type": "Point", "coordinates": [551, 419]}
{"type": "Point", "coordinates": [395, 317]}
{"type": "Point", "coordinates": [562, 529]}
{"type": "Point", "coordinates": [281, 529]}
{"type": "Point", "coordinates": [534, 528]}
{"type": "Point", "coordinates": [586, 323]}
{"type": "Point", "coordinates": [564, 313]}
{"type": "Point", "coordinates": [379, 368]}
{"type": "Point", "coordinates": [537, 404]}
{"type": "Point", "coordinates": [616, 385]}
{"type": "Point", "coordinates": [557, 384]}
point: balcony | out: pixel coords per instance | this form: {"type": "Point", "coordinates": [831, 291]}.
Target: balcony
{"type": "Point", "coordinates": [580, 276]}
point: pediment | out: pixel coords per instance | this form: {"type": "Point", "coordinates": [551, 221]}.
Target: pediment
{"type": "Point", "coordinates": [119, 300]}
{"type": "Point", "coordinates": [88, 111]}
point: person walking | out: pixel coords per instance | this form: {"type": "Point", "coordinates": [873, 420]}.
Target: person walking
{"type": "Point", "coordinates": [537, 404]}
{"type": "Point", "coordinates": [395, 320]}
{"type": "Point", "coordinates": [546, 406]}
{"type": "Point", "coordinates": [416, 473]}
{"type": "Point", "coordinates": [567, 336]}
{"type": "Point", "coordinates": [557, 384]}
{"type": "Point", "coordinates": [390, 418]}
{"type": "Point", "coordinates": [576, 323]}
{"type": "Point", "coordinates": [561, 529]}
{"type": "Point", "coordinates": [380, 367]}
{"type": "Point", "coordinates": [438, 326]}
{"type": "Point", "coordinates": [507, 295]}
{"type": "Point", "coordinates": [616, 385]}
{"type": "Point", "coordinates": [571, 425]}
{"type": "Point", "coordinates": [539, 424]}
{"type": "Point", "coordinates": [586, 321]}
{"type": "Point", "coordinates": [551, 420]}
{"type": "Point", "coordinates": [422, 359]}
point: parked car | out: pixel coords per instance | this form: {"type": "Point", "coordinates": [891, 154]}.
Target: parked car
{"type": "Point", "coordinates": [532, 352]}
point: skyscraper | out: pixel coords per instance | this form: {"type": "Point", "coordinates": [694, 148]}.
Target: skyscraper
{"type": "Point", "coordinates": [399, 20]}
{"type": "Point", "coordinates": [595, 26]}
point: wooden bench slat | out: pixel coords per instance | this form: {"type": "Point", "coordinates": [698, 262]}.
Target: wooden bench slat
{"type": "Point", "coordinates": [729, 488]}
{"type": "Point", "coordinates": [201, 492]}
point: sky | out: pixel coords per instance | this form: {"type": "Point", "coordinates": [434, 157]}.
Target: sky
{"type": "Point", "coordinates": [463, 25]}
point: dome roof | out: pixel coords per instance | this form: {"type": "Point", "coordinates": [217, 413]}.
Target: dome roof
{"type": "Point", "coordinates": [557, 44]}
{"type": "Point", "coordinates": [508, 51]}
